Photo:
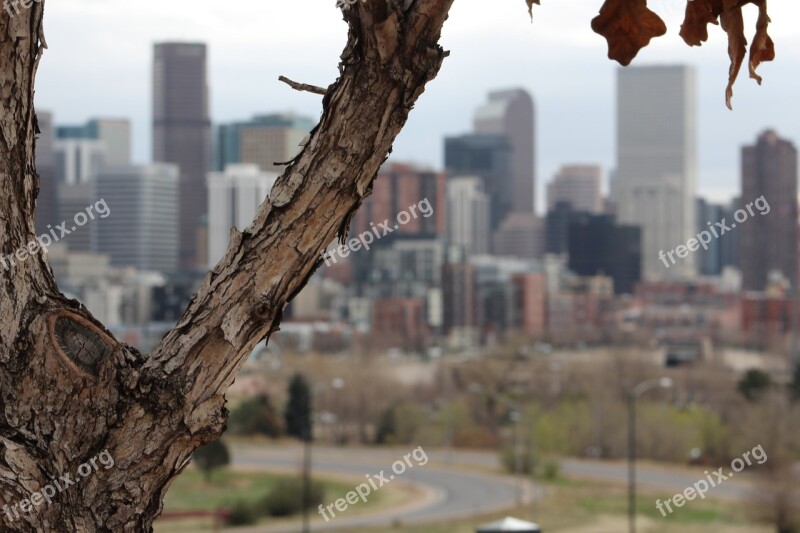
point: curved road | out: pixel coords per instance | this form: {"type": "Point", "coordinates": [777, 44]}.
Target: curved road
{"type": "Point", "coordinates": [449, 493]}
{"type": "Point", "coordinates": [467, 487]}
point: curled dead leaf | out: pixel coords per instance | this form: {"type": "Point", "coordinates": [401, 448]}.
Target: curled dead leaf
{"type": "Point", "coordinates": [530, 6]}
{"type": "Point", "coordinates": [699, 14]}
{"type": "Point", "coordinates": [628, 26]}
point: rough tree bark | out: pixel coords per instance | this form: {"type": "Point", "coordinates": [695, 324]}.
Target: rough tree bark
{"type": "Point", "coordinates": [68, 390]}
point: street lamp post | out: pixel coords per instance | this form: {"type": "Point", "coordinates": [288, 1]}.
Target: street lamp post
{"type": "Point", "coordinates": [337, 384]}
{"type": "Point", "coordinates": [638, 390]}
{"type": "Point", "coordinates": [516, 417]}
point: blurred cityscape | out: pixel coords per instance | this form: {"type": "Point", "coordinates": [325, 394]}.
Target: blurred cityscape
{"type": "Point", "coordinates": [482, 269]}
{"type": "Point", "coordinates": [453, 292]}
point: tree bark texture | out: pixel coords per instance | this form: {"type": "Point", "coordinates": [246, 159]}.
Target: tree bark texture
{"type": "Point", "coordinates": [69, 390]}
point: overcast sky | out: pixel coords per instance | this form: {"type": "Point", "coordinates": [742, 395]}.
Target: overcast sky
{"type": "Point", "coordinates": [99, 64]}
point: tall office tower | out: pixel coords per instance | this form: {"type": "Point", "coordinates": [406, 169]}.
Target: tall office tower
{"type": "Point", "coordinates": [182, 133]}
{"type": "Point", "coordinates": [487, 156]}
{"type": "Point", "coordinates": [577, 185]}
{"type": "Point", "coordinates": [468, 215]}
{"type": "Point", "coordinates": [72, 199]}
{"type": "Point", "coordinates": [655, 180]}
{"type": "Point", "coordinates": [233, 200]}
{"type": "Point", "coordinates": [510, 113]}
{"type": "Point", "coordinates": [768, 240]}
{"type": "Point", "coordinates": [264, 140]}
{"type": "Point", "coordinates": [722, 251]}
{"type": "Point", "coordinates": [729, 243]}
{"type": "Point", "coordinates": [78, 160]}
{"type": "Point", "coordinates": [521, 235]}
{"type": "Point", "coordinates": [600, 246]}
{"type": "Point", "coordinates": [557, 222]}
{"type": "Point", "coordinates": [47, 201]}
{"type": "Point", "coordinates": [142, 228]}
{"type": "Point", "coordinates": [115, 134]}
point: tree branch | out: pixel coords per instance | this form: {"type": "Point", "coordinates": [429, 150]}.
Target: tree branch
{"type": "Point", "coordinates": [302, 86]}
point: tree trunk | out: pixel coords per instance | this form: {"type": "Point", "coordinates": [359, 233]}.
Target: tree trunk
{"type": "Point", "coordinates": [69, 391]}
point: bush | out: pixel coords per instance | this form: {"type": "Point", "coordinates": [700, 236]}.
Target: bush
{"type": "Point", "coordinates": [286, 498]}
{"type": "Point", "coordinates": [212, 456]}
{"type": "Point", "coordinates": [256, 416]}
{"type": "Point", "coordinates": [548, 469]}
{"type": "Point", "coordinates": [753, 384]}
{"type": "Point", "coordinates": [242, 514]}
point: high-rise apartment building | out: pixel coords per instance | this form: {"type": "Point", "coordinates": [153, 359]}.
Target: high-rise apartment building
{"type": "Point", "coordinates": [182, 133]}
{"type": "Point", "coordinates": [511, 113]}
{"type": "Point", "coordinates": [655, 180]}
{"type": "Point", "coordinates": [468, 215]}
{"type": "Point", "coordinates": [264, 141]}
{"type": "Point", "coordinates": [768, 238]}
{"type": "Point", "coordinates": [580, 186]}
{"type": "Point", "coordinates": [115, 134]}
{"type": "Point", "coordinates": [142, 229]}
{"type": "Point", "coordinates": [233, 200]}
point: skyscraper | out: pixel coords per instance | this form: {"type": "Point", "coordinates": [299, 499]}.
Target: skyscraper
{"type": "Point", "coordinates": [468, 215]}
{"type": "Point", "coordinates": [487, 156]}
{"type": "Point", "coordinates": [115, 134]}
{"type": "Point", "coordinates": [768, 241]}
{"type": "Point", "coordinates": [510, 113]}
{"type": "Point", "coordinates": [655, 180]}
{"type": "Point", "coordinates": [47, 201]}
{"type": "Point", "coordinates": [182, 133]}
{"type": "Point", "coordinates": [579, 186]}
{"type": "Point", "coordinates": [142, 230]}
{"type": "Point", "coordinates": [78, 160]}
{"type": "Point", "coordinates": [264, 140]}
{"type": "Point", "coordinates": [600, 246]}
{"type": "Point", "coordinates": [233, 201]}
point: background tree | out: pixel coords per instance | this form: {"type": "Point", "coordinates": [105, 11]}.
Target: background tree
{"type": "Point", "coordinates": [298, 409]}
{"type": "Point", "coordinates": [256, 416]}
{"type": "Point", "coordinates": [212, 456]}
{"type": "Point", "coordinates": [68, 388]}
{"type": "Point", "coordinates": [753, 384]}
{"type": "Point", "coordinates": [794, 386]}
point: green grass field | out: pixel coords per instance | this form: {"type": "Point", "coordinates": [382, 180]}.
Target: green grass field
{"type": "Point", "coordinates": [191, 492]}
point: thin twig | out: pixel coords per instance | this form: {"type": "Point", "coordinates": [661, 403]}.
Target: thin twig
{"type": "Point", "coordinates": [302, 86]}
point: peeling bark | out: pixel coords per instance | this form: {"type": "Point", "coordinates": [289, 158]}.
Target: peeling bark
{"type": "Point", "coordinates": [68, 390]}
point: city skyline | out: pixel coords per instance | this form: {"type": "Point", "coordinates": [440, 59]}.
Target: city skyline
{"type": "Point", "coordinates": [243, 84]}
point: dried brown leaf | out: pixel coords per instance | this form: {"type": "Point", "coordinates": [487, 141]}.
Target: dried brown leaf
{"type": "Point", "coordinates": [628, 26]}
{"type": "Point", "coordinates": [699, 14]}
{"type": "Point", "coordinates": [733, 24]}
{"type": "Point", "coordinates": [762, 49]}
{"type": "Point", "coordinates": [530, 6]}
